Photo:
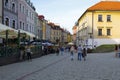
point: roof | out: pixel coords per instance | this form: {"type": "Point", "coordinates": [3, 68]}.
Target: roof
{"type": "Point", "coordinates": [41, 17]}
{"type": "Point", "coordinates": [106, 5]}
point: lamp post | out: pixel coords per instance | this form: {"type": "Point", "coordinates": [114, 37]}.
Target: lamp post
{"type": "Point", "coordinates": [18, 38]}
{"type": "Point", "coordinates": [24, 38]}
{"type": "Point", "coordinates": [91, 38]}
{"type": "Point", "coordinates": [6, 43]}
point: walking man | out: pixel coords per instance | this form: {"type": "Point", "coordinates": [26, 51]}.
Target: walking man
{"type": "Point", "coordinates": [29, 53]}
{"type": "Point", "coordinates": [79, 50]}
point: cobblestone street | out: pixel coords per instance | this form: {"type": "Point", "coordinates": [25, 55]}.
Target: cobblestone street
{"type": "Point", "coordinates": [102, 66]}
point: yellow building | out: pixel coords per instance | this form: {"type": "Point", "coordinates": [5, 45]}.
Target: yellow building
{"type": "Point", "coordinates": [43, 26]}
{"type": "Point", "coordinates": [99, 24]}
{"type": "Point", "coordinates": [74, 29]}
{"type": "Point", "coordinates": [69, 37]}
{"type": "Point", "coordinates": [55, 34]}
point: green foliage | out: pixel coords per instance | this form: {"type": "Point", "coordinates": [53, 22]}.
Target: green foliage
{"type": "Point", "coordinates": [104, 48]}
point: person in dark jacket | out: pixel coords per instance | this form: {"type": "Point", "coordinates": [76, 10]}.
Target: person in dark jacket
{"type": "Point", "coordinates": [57, 51]}
{"type": "Point", "coordinates": [116, 50]}
{"type": "Point", "coordinates": [28, 50]}
{"type": "Point", "coordinates": [84, 54]}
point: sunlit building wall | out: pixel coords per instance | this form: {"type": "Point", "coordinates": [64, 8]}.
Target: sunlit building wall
{"type": "Point", "coordinates": [100, 24]}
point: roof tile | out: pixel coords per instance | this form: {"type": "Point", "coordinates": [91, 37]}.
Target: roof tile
{"type": "Point", "coordinates": [106, 5]}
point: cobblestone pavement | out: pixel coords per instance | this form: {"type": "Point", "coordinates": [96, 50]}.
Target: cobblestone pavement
{"type": "Point", "coordinates": [102, 66]}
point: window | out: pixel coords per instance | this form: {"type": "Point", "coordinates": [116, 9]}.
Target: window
{"type": "Point", "coordinates": [108, 32]}
{"type": "Point", "coordinates": [30, 29]}
{"type": "Point", "coordinates": [23, 9]}
{"type": "Point", "coordinates": [100, 18]}
{"type": "Point", "coordinates": [7, 22]}
{"type": "Point", "coordinates": [27, 12]}
{"type": "Point", "coordinates": [6, 2]}
{"type": "Point", "coordinates": [108, 18]}
{"type": "Point", "coordinates": [20, 7]}
{"type": "Point", "coordinates": [13, 7]}
{"type": "Point", "coordinates": [99, 32]}
{"type": "Point", "coordinates": [27, 27]}
{"type": "Point", "coordinates": [30, 15]}
{"type": "Point", "coordinates": [20, 24]}
{"type": "Point", "coordinates": [13, 24]}
{"type": "Point", "coordinates": [23, 26]}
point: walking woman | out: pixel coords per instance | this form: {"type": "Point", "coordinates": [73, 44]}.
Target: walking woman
{"type": "Point", "coordinates": [72, 49]}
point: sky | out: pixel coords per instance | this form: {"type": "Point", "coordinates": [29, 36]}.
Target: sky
{"type": "Point", "coordinates": [63, 12]}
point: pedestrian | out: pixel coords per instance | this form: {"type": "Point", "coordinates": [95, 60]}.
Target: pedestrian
{"type": "Point", "coordinates": [28, 51]}
{"type": "Point", "coordinates": [61, 50]}
{"type": "Point", "coordinates": [57, 51]}
{"type": "Point", "coordinates": [72, 49]}
{"type": "Point", "coordinates": [45, 50]}
{"type": "Point", "coordinates": [22, 53]}
{"type": "Point", "coordinates": [116, 50]}
{"type": "Point", "coordinates": [79, 50]}
{"type": "Point", "coordinates": [84, 54]}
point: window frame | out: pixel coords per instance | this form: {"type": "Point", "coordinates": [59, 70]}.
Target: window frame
{"type": "Point", "coordinates": [100, 32]}
{"type": "Point", "coordinates": [6, 3]}
{"type": "Point", "coordinates": [13, 24]}
{"type": "Point", "coordinates": [108, 32]}
{"type": "Point", "coordinates": [7, 20]}
{"type": "Point", "coordinates": [108, 18]}
{"type": "Point", "coordinates": [13, 7]}
{"type": "Point", "coordinates": [100, 18]}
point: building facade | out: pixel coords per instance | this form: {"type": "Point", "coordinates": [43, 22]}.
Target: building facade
{"type": "Point", "coordinates": [55, 33]}
{"type": "Point", "coordinates": [74, 29]}
{"type": "Point", "coordinates": [10, 12]}
{"type": "Point", "coordinates": [48, 31]}
{"type": "Point", "coordinates": [99, 24]}
{"type": "Point", "coordinates": [43, 23]}
{"type": "Point", "coordinates": [27, 18]}
{"type": "Point", "coordinates": [29, 9]}
{"type": "Point", "coordinates": [39, 29]}
{"type": "Point", "coordinates": [22, 15]}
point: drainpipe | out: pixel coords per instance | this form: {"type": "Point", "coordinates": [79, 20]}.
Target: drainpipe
{"type": "Point", "coordinates": [92, 29]}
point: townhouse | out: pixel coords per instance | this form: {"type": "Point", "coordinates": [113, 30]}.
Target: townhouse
{"type": "Point", "coordinates": [99, 24]}
{"type": "Point", "coordinates": [10, 12]}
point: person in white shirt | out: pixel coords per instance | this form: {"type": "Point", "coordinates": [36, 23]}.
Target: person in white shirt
{"type": "Point", "coordinates": [29, 52]}
{"type": "Point", "coordinates": [72, 49]}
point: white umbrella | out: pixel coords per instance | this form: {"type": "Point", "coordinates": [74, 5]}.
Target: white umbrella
{"type": "Point", "coordinates": [70, 43]}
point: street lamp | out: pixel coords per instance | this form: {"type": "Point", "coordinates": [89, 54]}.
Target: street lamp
{"type": "Point", "coordinates": [91, 38]}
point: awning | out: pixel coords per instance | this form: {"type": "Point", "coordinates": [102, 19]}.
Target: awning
{"type": "Point", "coordinates": [4, 27]}
{"type": "Point", "coordinates": [31, 35]}
{"type": "Point", "coordinates": [12, 33]}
